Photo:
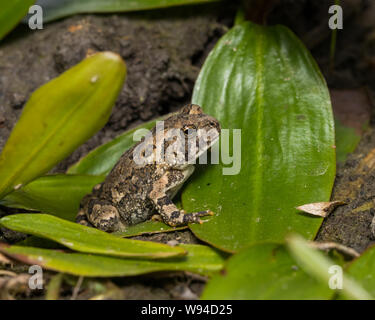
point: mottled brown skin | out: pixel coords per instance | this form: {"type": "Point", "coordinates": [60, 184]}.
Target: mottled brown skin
{"type": "Point", "coordinates": [133, 193]}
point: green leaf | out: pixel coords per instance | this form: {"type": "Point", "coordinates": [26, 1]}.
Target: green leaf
{"type": "Point", "coordinates": [346, 140]}
{"type": "Point", "coordinates": [263, 81]}
{"type": "Point", "coordinates": [147, 227]}
{"type": "Point", "coordinates": [101, 160]}
{"type": "Point", "coordinates": [264, 271]}
{"type": "Point", "coordinates": [240, 16]}
{"type": "Point", "coordinates": [54, 286]}
{"type": "Point", "coordinates": [86, 239]}
{"type": "Point", "coordinates": [58, 195]}
{"type": "Point", "coordinates": [200, 259]}
{"type": "Point", "coordinates": [59, 117]}
{"type": "Point", "coordinates": [58, 9]}
{"type": "Point", "coordinates": [33, 241]}
{"type": "Point", "coordinates": [11, 12]}
{"type": "Point", "coordinates": [362, 270]}
{"type": "Point", "coordinates": [323, 269]}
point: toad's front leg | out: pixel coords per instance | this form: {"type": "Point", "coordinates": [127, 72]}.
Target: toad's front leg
{"type": "Point", "coordinates": [170, 214]}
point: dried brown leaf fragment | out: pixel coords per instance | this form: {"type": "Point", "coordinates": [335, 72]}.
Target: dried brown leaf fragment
{"type": "Point", "coordinates": [322, 209]}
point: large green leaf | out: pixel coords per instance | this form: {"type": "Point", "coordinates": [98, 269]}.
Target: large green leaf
{"type": "Point", "coordinates": [263, 81]}
{"type": "Point", "coordinates": [60, 116]}
{"type": "Point", "coordinates": [200, 259]}
{"type": "Point", "coordinates": [59, 195]}
{"type": "Point", "coordinates": [57, 9]}
{"type": "Point", "coordinates": [11, 12]}
{"type": "Point", "coordinates": [362, 270]}
{"type": "Point", "coordinates": [265, 271]}
{"type": "Point", "coordinates": [324, 269]}
{"type": "Point", "coordinates": [101, 160]}
{"type": "Point", "coordinates": [86, 239]}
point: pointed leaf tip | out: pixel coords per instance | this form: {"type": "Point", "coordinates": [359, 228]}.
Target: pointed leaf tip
{"type": "Point", "coordinates": [59, 116]}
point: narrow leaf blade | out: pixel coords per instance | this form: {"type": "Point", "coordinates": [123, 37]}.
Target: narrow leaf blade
{"type": "Point", "coordinates": [59, 195]}
{"type": "Point", "coordinates": [200, 259]}
{"type": "Point", "coordinates": [86, 239]}
{"type": "Point", "coordinates": [362, 270]}
{"type": "Point", "coordinates": [318, 266]}
{"type": "Point", "coordinates": [62, 8]}
{"type": "Point", "coordinates": [59, 117]}
{"type": "Point", "coordinates": [11, 13]}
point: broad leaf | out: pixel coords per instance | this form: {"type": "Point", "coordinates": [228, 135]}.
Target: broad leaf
{"type": "Point", "coordinates": [324, 269]}
{"type": "Point", "coordinates": [101, 160]}
{"type": "Point", "coordinates": [57, 9]}
{"type": "Point", "coordinates": [58, 195]}
{"type": "Point", "coordinates": [264, 271]}
{"type": "Point", "coordinates": [59, 117]}
{"type": "Point", "coordinates": [200, 259]}
{"type": "Point", "coordinates": [86, 239]}
{"type": "Point", "coordinates": [11, 12]}
{"type": "Point", "coordinates": [263, 81]}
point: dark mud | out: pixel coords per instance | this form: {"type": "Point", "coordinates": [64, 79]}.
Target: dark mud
{"type": "Point", "coordinates": [352, 68]}
{"type": "Point", "coordinates": [163, 51]}
{"type": "Point", "coordinates": [355, 184]}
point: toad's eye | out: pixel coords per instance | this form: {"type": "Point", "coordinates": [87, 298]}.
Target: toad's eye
{"type": "Point", "coordinates": [190, 129]}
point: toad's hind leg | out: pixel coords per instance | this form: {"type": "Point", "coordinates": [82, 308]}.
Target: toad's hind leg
{"type": "Point", "coordinates": [81, 218]}
{"type": "Point", "coordinates": [99, 213]}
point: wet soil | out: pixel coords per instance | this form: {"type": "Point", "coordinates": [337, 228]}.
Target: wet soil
{"type": "Point", "coordinates": [163, 51]}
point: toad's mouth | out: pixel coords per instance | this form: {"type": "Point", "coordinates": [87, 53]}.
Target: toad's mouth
{"type": "Point", "coordinates": [191, 159]}
{"type": "Point", "coordinates": [209, 145]}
